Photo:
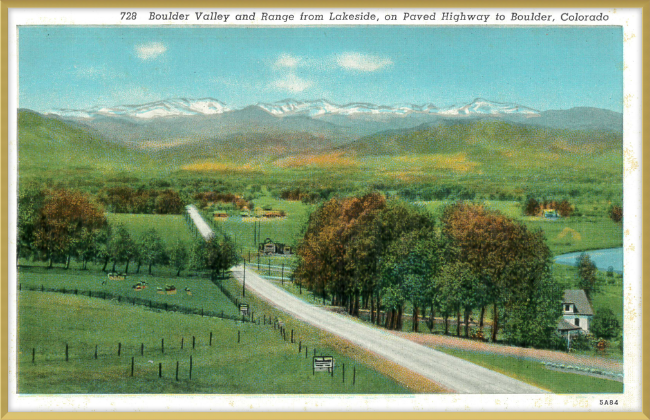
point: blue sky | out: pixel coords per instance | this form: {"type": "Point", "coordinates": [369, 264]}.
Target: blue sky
{"type": "Point", "coordinates": [539, 67]}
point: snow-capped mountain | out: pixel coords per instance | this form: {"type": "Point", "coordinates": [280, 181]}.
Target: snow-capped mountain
{"type": "Point", "coordinates": [291, 107]}
{"type": "Point", "coordinates": [167, 108]}
{"type": "Point", "coordinates": [484, 107]}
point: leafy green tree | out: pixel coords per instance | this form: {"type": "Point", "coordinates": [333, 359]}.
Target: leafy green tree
{"type": "Point", "coordinates": [30, 205]}
{"type": "Point", "coordinates": [533, 321]}
{"type": "Point", "coordinates": [178, 257]}
{"type": "Point", "coordinates": [122, 248]}
{"type": "Point", "coordinates": [587, 274]}
{"type": "Point", "coordinates": [605, 324]}
{"type": "Point", "coordinates": [152, 250]}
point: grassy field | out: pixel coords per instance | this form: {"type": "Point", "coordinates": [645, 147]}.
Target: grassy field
{"type": "Point", "coordinates": [170, 227]}
{"type": "Point", "coordinates": [204, 293]}
{"type": "Point", "coordinates": [261, 363]}
{"type": "Point", "coordinates": [536, 374]}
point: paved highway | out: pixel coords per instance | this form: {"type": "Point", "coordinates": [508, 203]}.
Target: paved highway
{"type": "Point", "coordinates": [450, 372]}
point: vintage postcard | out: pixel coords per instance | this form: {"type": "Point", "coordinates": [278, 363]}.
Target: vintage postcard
{"type": "Point", "coordinates": [249, 210]}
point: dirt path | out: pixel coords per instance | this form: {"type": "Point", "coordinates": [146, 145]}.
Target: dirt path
{"type": "Point", "coordinates": [450, 372]}
{"type": "Point", "coordinates": [433, 341]}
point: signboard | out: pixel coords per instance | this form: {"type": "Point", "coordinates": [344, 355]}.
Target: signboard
{"type": "Point", "coordinates": [323, 363]}
{"type": "Point", "coordinates": [243, 308]}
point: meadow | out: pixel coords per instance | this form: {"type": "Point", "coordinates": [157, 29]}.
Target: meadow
{"type": "Point", "coordinates": [170, 227]}
{"type": "Point", "coordinates": [244, 358]}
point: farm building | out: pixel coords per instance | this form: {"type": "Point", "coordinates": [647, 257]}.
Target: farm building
{"type": "Point", "coordinates": [269, 247]}
{"type": "Point", "coordinates": [220, 215]}
{"type": "Point", "coordinates": [576, 313]}
{"type": "Point", "coordinates": [551, 214]}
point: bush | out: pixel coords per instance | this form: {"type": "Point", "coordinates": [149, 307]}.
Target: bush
{"type": "Point", "coordinates": [582, 341]}
{"type": "Point", "coordinates": [605, 324]}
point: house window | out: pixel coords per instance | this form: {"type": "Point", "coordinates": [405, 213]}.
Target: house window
{"type": "Point", "coordinates": [567, 308]}
{"type": "Point", "coordinates": [577, 322]}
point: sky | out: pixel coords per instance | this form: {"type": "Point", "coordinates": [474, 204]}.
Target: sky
{"type": "Point", "coordinates": [77, 67]}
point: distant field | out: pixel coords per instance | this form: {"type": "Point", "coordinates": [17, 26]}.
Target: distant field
{"type": "Point", "coordinates": [571, 234]}
{"type": "Point", "coordinates": [286, 230]}
{"type": "Point", "coordinates": [170, 227]}
{"type": "Point", "coordinates": [261, 363]}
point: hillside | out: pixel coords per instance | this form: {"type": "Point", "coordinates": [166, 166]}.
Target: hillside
{"type": "Point", "coordinates": [47, 143]}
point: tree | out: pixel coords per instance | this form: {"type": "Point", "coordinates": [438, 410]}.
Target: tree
{"type": "Point", "coordinates": [532, 207]}
{"type": "Point", "coordinates": [63, 218]}
{"type": "Point", "coordinates": [507, 258]}
{"type": "Point", "coordinates": [616, 213]}
{"type": "Point", "coordinates": [587, 278]}
{"type": "Point", "coordinates": [30, 205]}
{"type": "Point", "coordinates": [605, 324]}
{"type": "Point", "coordinates": [152, 249]}
{"type": "Point", "coordinates": [121, 248]}
{"type": "Point", "coordinates": [533, 321]}
{"type": "Point", "coordinates": [178, 257]}
{"type": "Point", "coordinates": [168, 202]}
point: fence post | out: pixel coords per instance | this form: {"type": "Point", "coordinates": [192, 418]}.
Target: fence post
{"type": "Point", "coordinates": [291, 336]}
{"type": "Point", "coordinates": [210, 337]}
{"type": "Point", "coordinates": [162, 345]}
{"type": "Point", "coordinates": [354, 375]}
{"type": "Point", "coordinates": [282, 274]}
{"type": "Point", "coordinates": [193, 342]}
{"type": "Point", "coordinates": [190, 368]}
{"type": "Point", "coordinates": [160, 370]}
{"type": "Point", "coordinates": [177, 370]}
{"type": "Point", "coordinates": [182, 341]}
{"type": "Point", "coordinates": [238, 336]}
{"type": "Point", "coordinates": [343, 372]}
{"type": "Point", "coordinates": [119, 348]}
{"type": "Point", "coordinates": [33, 355]}
{"type": "Point", "coordinates": [142, 349]}
{"type": "Point", "coordinates": [95, 351]}
{"type": "Point", "coordinates": [132, 363]}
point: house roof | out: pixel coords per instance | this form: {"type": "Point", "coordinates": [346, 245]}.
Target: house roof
{"type": "Point", "coordinates": [563, 325]}
{"type": "Point", "coordinates": [578, 298]}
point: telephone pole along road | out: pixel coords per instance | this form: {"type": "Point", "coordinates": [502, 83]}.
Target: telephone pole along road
{"type": "Point", "coordinates": [449, 371]}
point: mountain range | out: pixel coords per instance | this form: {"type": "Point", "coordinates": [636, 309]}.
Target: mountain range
{"type": "Point", "coordinates": [196, 120]}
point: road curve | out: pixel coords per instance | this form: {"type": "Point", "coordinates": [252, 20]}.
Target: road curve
{"type": "Point", "coordinates": [450, 372]}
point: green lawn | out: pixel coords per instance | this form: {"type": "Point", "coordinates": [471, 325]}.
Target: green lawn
{"type": "Point", "coordinates": [536, 374]}
{"type": "Point", "coordinates": [170, 227]}
{"type": "Point", "coordinates": [261, 363]}
{"type": "Point", "coordinates": [204, 293]}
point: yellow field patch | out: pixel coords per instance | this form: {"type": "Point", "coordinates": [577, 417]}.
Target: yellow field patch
{"type": "Point", "coordinates": [456, 162]}
{"type": "Point", "coordinates": [219, 167]}
{"type": "Point", "coordinates": [568, 231]}
{"type": "Point", "coordinates": [321, 160]}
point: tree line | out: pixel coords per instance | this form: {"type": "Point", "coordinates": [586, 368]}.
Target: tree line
{"type": "Point", "coordinates": [60, 225]}
{"type": "Point", "coordinates": [371, 253]}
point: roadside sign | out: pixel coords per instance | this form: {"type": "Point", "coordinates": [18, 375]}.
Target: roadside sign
{"type": "Point", "coordinates": [243, 308]}
{"type": "Point", "coordinates": [323, 363]}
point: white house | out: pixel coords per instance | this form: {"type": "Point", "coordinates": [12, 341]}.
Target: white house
{"type": "Point", "coordinates": [576, 313]}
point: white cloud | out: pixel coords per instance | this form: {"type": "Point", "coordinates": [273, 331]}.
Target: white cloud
{"type": "Point", "coordinates": [287, 60]}
{"type": "Point", "coordinates": [362, 62]}
{"type": "Point", "coordinates": [292, 83]}
{"type": "Point", "coordinates": [150, 50]}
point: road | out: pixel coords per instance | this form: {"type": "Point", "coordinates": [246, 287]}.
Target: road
{"type": "Point", "coordinates": [450, 372]}
{"type": "Point", "coordinates": [200, 224]}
